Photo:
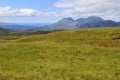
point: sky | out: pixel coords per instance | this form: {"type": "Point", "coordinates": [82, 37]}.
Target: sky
{"type": "Point", "coordinates": [47, 11]}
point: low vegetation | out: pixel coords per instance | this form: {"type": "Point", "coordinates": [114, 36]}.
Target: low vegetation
{"type": "Point", "coordinates": [85, 54]}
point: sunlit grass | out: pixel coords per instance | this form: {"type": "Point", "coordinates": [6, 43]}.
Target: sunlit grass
{"type": "Point", "coordinates": [87, 54]}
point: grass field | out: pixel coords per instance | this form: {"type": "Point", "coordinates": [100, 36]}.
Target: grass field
{"type": "Point", "coordinates": [86, 54]}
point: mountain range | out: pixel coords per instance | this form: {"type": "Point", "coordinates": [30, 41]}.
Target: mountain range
{"type": "Point", "coordinates": [19, 26]}
{"type": "Point", "coordinates": [65, 23]}
{"type": "Point", "coordinates": [90, 22]}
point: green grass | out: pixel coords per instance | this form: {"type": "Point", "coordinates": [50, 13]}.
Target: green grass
{"type": "Point", "coordinates": [86, 54]}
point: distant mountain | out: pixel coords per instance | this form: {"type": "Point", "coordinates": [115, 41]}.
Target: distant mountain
{"type": "Point", "coordinates": [10, 26]}
{"type": "Point", "coordinates": [18, 27]}
{"type": "Point", "coordinates": [90, 22]}
{"type": "Point", "coordinates": [93, 21]}
{"type": "Point", "coordinates": [119, 23]}
{"type": "Point", "coordinates": [65, 23]}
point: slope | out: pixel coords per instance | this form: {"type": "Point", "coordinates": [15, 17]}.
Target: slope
{"type": "Point", "coordinates": [86, 54]}
{"type": "Point", "coordinates": [5, 31]}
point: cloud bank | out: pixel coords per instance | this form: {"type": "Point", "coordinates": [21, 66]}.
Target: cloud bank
{"type": "Point", "coordinates": [9, 12]}
{"type": "Point", "coordinates": [109, 9]}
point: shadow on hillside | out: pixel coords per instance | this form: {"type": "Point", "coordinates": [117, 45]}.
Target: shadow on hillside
{"type": "Point", "coordinates": [116, 38]}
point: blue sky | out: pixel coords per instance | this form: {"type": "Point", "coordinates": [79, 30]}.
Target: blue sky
{"type": "Point", "coordinates": [53, 10]}
{"type": "Point", "coordinates": [42, 5]}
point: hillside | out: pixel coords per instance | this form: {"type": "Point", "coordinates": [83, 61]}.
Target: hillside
{"type": "Point", "coordinates": [85, 54]}
{"type": "Point", "coordinates": [5, 31]}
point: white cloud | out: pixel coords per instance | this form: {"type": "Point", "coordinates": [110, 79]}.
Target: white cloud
{"type": "Point", "coordinates": [108, 9]}
{"type": "Point", "coordinates": [9, 12]}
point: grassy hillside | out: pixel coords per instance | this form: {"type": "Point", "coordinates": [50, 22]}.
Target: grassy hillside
{"type": "Point", "coordinates": [5, 31]}
{"type": "Point", "coordinates": [86, 54]}
{"type": "Point", "coordinates": [16, 34]}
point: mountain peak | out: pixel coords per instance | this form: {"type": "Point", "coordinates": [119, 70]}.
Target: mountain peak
{"type": "Point", "coordinates": [68, 19]}
{"type": "Point", "coordinates": [94, 18]}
